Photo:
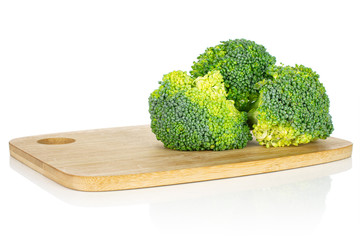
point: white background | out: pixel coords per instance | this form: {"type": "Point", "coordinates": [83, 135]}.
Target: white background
{"type": "Point", "coordinates": [74, 65]}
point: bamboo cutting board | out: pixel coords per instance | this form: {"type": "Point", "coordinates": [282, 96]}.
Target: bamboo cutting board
{"type": "Point", "coordinates": [131, 157]}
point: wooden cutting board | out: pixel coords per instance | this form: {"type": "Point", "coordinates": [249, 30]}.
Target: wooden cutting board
{"type": "Point", "coordinates": [131, 157]}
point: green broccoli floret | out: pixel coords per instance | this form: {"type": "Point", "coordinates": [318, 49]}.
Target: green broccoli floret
{"type": "Point", "coordinates": [242, 63]}
{"type": "Point", "coordinates": [293, 108]}
{"type": "Point", "coordinates": [194, 114]}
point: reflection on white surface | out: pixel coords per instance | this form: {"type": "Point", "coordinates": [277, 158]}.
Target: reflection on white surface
{"type": "Point", "coordinates": [269, 208]}
{"type": "Point", "coordinates": [259, 204]}
{"type": "Point", "coordinates": [272, 199]}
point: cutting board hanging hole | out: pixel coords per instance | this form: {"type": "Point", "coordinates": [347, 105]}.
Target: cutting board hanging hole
{"type": "Point", "coordinates": [57, 141]}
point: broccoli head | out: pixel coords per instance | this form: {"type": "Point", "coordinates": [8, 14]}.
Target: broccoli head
{"type": "Point", "coordinates": [242, 64]}
{"type": "Point", "coordinates": [292, 108]}
{"type": "Point", "coordinates": [194, 114]}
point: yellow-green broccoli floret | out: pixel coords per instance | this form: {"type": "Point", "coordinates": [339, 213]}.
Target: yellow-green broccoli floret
{"type": "Point", "coordinates": [242, 63]}
{"type": "Point", "coordinates": [193, 114]}
{"type": "Point", "coordinates": [292, 109]}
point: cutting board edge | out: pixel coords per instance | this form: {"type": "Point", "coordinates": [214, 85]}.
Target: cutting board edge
{"type": "Point", "coordinates": [58, 176]}
{"type": "Point", "coordinates": [187, 175]}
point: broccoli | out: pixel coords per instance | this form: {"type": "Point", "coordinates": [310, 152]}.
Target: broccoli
{"type": "Point", "coordinates": [242, 64]}
{"type": "Point", "coordinates": [194, 114]}
{"type": "Point", "coordinates": [292, 108]}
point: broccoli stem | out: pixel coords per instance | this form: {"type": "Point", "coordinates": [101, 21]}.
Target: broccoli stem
{"type": "Point", "coordinates": [253, 113]}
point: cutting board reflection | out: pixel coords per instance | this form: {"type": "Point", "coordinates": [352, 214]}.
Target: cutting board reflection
{"type": "Point", "coordinates": [131, 157]}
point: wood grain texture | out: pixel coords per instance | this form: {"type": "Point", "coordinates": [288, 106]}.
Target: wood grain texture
{"type": "Point", "coordinates": [131, 157]}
